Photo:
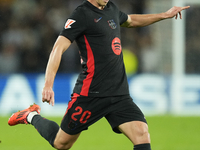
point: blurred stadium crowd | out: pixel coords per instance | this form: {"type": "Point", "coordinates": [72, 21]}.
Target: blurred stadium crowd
{"type": "Point", "coordinates": [29, 29]}
{"type": "Point", "coordinates": [192, 40]}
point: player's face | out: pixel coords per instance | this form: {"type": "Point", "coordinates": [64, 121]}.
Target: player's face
{"type": "Point", "coordinates": [99, 3]}
{"type": "Point", "coordinates": [102, 3]}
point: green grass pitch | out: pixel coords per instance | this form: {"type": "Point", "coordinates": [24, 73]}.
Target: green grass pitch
{"type": "Point", "coordinates": [167, 133]}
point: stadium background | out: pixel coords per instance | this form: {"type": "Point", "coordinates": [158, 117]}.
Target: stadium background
{"type": "Point", "coordinates": [162, 62]}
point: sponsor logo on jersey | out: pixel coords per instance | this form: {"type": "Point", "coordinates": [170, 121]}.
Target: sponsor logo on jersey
{"type": "Point", "coordinates": [97, 20]}
{"type": "Point", "coordinates": [69, 23]}
{"type": "Point", "coordinates": [112, 24]}
{"type": "Point", "coordinates": [116, 46]}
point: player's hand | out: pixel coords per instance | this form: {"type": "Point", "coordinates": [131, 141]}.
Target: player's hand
{"type": "Point", "coordinates": [48, 95]}
{"type": "Point", "coordinates": [175, 11]}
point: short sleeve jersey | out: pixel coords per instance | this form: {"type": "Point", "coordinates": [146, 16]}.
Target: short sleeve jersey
{"type": "Point", "coordinates": [97, 34]}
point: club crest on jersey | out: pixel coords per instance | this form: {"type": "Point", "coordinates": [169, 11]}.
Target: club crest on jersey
{"type": "Point", "coordinates": [69, 23]}
{"type": "Point", "coordinates": [112, 24]}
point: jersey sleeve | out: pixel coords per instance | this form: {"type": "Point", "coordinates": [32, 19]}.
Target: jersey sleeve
{"type": "Point", "coordinates": [122, 17]}
{"type": "Point", "coordinates": [75, 25]}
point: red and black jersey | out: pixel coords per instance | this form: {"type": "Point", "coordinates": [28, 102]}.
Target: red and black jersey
{"type": "Point", "coordinates": [97, 34]}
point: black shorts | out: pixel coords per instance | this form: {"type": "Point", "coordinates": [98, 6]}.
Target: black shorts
{"type": "Point", "coordinates": [84, 111]}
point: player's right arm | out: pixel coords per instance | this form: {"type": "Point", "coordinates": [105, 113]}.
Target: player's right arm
{"type": "Point", "coordinates": [141, 20]}
{"type": "Point", "coordinates": [60, 46]}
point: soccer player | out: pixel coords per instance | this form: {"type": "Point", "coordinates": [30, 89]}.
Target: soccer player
{"type": "Point", "coordinates": [101, 89]}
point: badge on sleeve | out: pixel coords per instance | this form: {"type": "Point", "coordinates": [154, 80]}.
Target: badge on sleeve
{"type": "Point", "coordinates": [69, 23]}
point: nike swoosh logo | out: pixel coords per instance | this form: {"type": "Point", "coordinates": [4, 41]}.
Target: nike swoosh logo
{"type": "Point", "coordinates": [97, 20]}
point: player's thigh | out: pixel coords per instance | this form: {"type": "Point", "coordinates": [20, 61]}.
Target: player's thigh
{"type": "Point", "coordinates": [64, 139]}
{"type": "Point", "coordinates": [136, 131]}
{"type": "Point", "coordinates": [123, 111]}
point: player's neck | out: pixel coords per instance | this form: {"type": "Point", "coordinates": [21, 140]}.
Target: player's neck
{"type": "Point", "coordinates": [97, 4]}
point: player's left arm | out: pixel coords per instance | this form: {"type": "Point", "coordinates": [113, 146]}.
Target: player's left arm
{"type": "Point", "coordinates": [141, 20]}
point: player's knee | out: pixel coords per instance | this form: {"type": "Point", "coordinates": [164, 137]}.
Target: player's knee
{"type": "Point", "coordinates": [143, 136]}
{"type": "Point", "coordinates": [62, 146]}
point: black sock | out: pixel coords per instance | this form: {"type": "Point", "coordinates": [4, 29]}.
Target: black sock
{"type": "Point", "coordinates": [47, 129]}
{"type": "Point", "coordinates": [146, 146]}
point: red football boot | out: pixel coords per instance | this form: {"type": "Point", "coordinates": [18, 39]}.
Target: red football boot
{"type": "Point", "coordinates": [20, 117]}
